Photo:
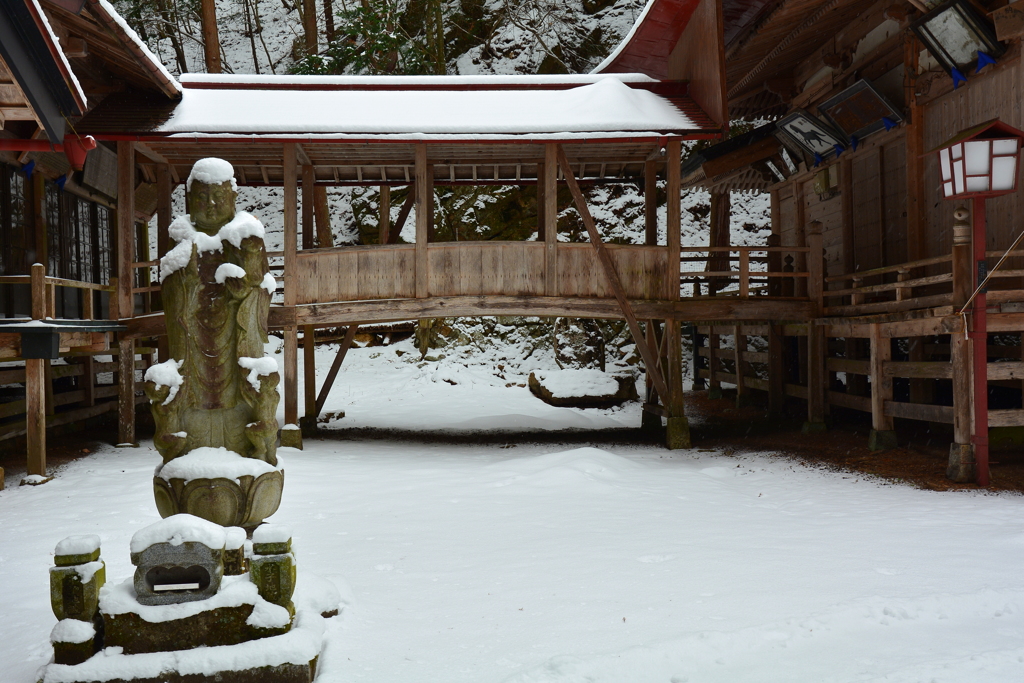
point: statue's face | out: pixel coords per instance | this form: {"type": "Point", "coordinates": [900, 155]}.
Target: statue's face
{"type": "Point", "coordinates": [211, 206]}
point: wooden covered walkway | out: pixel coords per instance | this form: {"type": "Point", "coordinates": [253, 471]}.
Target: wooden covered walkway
{"type": "Point", "coordinates": [328, 286]}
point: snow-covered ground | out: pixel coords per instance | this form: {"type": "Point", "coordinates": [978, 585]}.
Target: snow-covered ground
{"type": "Point", "coordinates": [566, 563]}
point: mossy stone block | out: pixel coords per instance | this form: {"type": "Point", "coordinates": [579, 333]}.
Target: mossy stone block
{"type": "Point", "coordinates": [274, 576]}
{"type": "Point", "coordinates": [677, 433]}
{"type": "Point", "coordinates": [282, 673]}
{"type": "Point", "coordinates": [210, 628]}
{"type": "Point", "coordinates": [73, 653]}
{"type": "Point", "coordinates": [72, 560]}
{"type": "Point", "coordinates": [75, 597]}
{"type": "Point", "coordinates": [291, 438]}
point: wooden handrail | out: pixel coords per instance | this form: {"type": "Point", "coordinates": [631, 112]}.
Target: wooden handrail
{"type": "Point", "coordinates": [889, 286]}
{"type": "Point", "coordinates": [693, 274]}
{"type": "Point", "coordinates": [797, 250]}
{"type": "Point", "coordinates": [893, 269]}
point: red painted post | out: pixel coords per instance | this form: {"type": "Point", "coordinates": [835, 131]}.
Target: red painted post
{"type": "Point", "coordinates": [980, 336]}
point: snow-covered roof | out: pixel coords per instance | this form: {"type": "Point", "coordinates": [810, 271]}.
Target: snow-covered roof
{"type": "Point", "coordinates": [53, 43]}
{"type": "Point", "coordinates": [603, 105]}
{"type": "Point", "coordinates": [481, 81]}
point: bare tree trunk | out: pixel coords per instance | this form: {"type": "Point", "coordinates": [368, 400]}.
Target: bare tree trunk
{"type": "Point", "coordinates": [211, 39]}
{"type": "Point", "coordinates": [309, 26]}
{"type": "Point", "coordinates": [329, 20]}
{"type": "Point", "coordinates": [435, 36]}
{"type": "Point", "coordinates": [250, 27]}
{"type": "Point", "coordinates": [170, 25]}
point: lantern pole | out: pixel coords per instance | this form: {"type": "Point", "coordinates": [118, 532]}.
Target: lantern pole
{"type": "Point", "coordinates": [979, 334]}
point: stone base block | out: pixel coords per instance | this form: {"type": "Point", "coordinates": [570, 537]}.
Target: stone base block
{"type": "Point", "coordinates": [881, 440]}
{"type": "Point", "coordinates": [308, 426]}
{"type": "Point", "coordinates": [73, 653]}
{"type": "Point", "coordinates": [961, 463]}
{"type": "Point", "coordinates": [677, 433]}
{"type": "Point", "coordinates": [814, 428]}
{"type": "Point", "coordinates": [282, 673]}
{"type": "Point", "coordinates": [744, 400]}
{"type": "Point", "coordinates": [210, 628]}
{"type": "Point", "coordinates": [291, 438]}
{"type": "Point", "coordinates": [714, 393]}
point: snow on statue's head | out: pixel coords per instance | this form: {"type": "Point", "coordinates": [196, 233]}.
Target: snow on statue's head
{"type": "Point", "coordinates": [210, 194]}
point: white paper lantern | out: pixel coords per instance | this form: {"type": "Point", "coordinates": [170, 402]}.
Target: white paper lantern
{"type": "Point", "coordinates": [981, 161]}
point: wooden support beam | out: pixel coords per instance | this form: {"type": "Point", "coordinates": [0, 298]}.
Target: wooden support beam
{"type": "Point", "coordinates": [308, 230]}
{"type": "Point", "coordinates": [35, 383]}
{"type": "Point", "coordinates": [739, 348]}
{"type": "Point", "coordinates": [424, 209]}
{"type": "Point", "coordinates": [322, 216]}
{"type": "Point", "coordinates": [343, 348]}
{"type": "Point", "coordinates": [541, 202]}
{"type": "Point", "coordinates": [677, 432]}
{"type": "Point", "coordinates": [550, 219]}
{"type": "Point", "coordinates": [673, 226]}
{"type": "Point", "coordinates": [291, 239]}
{"type": "Point", "coordinates": [881, 391]}
{"type": "Point", "coordinates": [403, 216]}
{"type": "Point", "coordinates": [816, 387]}
{"type": "Point", "coordinates": [650, 202]}
{"type": "Point", "coordinates": [776, 369]}
{"type": "Point", "coordinates": [123, 295]}
{"type": "Point", "coordinates": [648, 354]}
{"type": "Point", "coordinates": [384, 215]}
{"type": "Point", "coordinates": [309, 369]}
{"type": "Point", "coordinates": [163, 239]}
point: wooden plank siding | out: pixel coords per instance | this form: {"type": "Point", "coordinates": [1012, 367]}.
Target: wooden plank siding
{"type": "Point", "coordinates": [474, 268]}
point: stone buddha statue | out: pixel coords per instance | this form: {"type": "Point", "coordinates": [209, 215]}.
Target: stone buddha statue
{"type": "Point", "coordinates": [217, 391]}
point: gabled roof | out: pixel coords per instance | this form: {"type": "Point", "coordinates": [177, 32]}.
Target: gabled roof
{"type": "Point", "coordinates": [646, 48]}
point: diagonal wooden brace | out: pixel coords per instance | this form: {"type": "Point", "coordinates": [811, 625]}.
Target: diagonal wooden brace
{"type": "Point", "coordinates": [346, 344]}
{"type": "Point", "coordinates": [648, 354]}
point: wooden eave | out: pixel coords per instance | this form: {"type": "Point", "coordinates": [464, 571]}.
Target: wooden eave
{"type": "Point", "coordinates": [14, 105]}
{"type": "Point", "coordinates": [111, 52]}
{"type": "Point", "coordinates": [785, 37]}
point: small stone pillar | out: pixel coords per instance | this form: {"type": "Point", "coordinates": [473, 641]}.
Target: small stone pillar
{"type": "Point", "coordinates": [272, 567]}
{"type": "Point", "coordinates": [235, 563]}
{"type": "Point", "coordinates": [75, 584]}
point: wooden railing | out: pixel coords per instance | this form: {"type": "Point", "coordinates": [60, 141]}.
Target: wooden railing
{"type": "Point", "coordinates": [90, 396]}
{"type": "Point", "coordinates": [884, 297]}
{"type": "Point", "coordinates": [760, 271]}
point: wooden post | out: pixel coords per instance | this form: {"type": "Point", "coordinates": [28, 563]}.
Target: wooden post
{"type": "Point", "coordinates": [816, 375]}
{"type": "Point", "coordinates": [776, 369]}
{"type": "Point", "coordinates": [550, 219]}
{"type": "Point", "coordinates": [290, 436]}
{"type": "Point", "coordinates": [424, 209]}
{"type": "Point", "coordinates": [125, 281]}
{"type": "Point", "coordinates": [35, 383]}
{"type": "Point", "coordinates": [677, 427]}
{"type": "Point", "coordinates": [324, 236]}
{"type": "Point", "coordinates": [309, 378]}
{"type": "Point", "coordinates": [163, 238]}
{"type": "Point", "coordinates": [308, 230]}
{"type": "Point", "coordinates": [961, 453]}
{"type": "Point", "coordinates": [744, 273]}
{"type": "Point", "coordinates": [774, 258]}
{"type": "Point", "coordinates": [651, 203]}
{"type": "Point", "coordinates": [87, 381]}
{"type": "Point", "coordinates": [541, 202]}
{"type": "Point", "coordinates": [740, 344]}
{"type": "Point", "coordinates": [714, 384]}
{"type": "Point", "coordinates": [882, 436]}
{"type": "Point", "coordinates": [384, 215]}
{"type": "Point", "coordinates": [914, 140]}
